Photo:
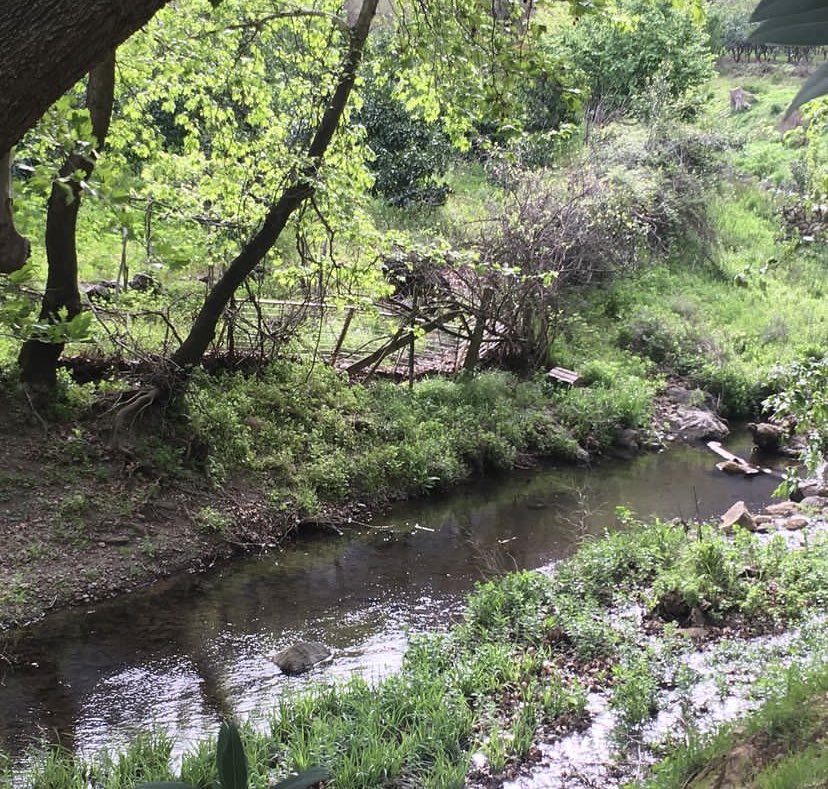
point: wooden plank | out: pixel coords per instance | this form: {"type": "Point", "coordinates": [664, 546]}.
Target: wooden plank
{"type": "Point", "coordinates": [564, 376]}
{"type": "Point", "coordinates": [749, 468]}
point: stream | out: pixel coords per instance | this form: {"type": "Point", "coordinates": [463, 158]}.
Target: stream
{"type": "Point", "coordinates": [190, 649]}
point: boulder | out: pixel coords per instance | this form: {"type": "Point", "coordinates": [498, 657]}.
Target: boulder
{"type": "Point", "coordinates": [627, 439]}
{"type": "Point", "coordinates": [672, 607]}
{"type": "Point", "coordinates": [696, 424]}
{"type": "Point", "coordinates": [582, 457]}
{"type": "Point", "coordinates": [767, 437]}
{"type": "Point", "coordinates": [301, 657]}
{"type": "Point", "coordinates": [814, 502]}
{"type": "Point", "coordinates": [795, 522]}
{"type": "Point", "coordinates": [683, 396]}
{"type": "Point", "coordinates": [816, 485]}
{"type": "Point", "coordinates": [738, 515]}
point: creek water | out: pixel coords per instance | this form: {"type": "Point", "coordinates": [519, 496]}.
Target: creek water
{"type": "Point", "coordinates": [190, 649]}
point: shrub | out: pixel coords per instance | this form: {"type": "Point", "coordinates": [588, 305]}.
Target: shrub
{"type": "Point", "coordinates": [410, 154]}
{"type": "Point", "coordinates": [622, 53]}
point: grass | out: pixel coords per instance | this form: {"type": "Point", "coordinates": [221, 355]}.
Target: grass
{"type": "Point", "coordinates": [454, 694]}
{"type": "Point", "coordinates": [782, 745]}
{"type": "Point", "coordinates": [317, 440]}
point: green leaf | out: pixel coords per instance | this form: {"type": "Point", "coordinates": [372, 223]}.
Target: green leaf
{"type": "Point", "coordinates": [305, 779]}
{"type": "Point", "coordinates": [767, 9]}
{"type": "Point", "coordinates": [806, 29]}
{"type": "Point", "coordinates": [815, 86]}
{"type": "Point", "coordinates": [231, 759]}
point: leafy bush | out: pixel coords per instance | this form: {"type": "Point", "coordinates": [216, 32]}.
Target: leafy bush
{"type": "Point", "coordinates": [622, 53]}
{"type": "Point", "coordinates": [410, 153]}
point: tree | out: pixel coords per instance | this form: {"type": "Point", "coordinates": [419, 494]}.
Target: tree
{"type": "Point", "coordinates": [61, 300]}
{"type": "Point", "coordinates": [46, 46]}
{"type": "Point", "coordinates": [300, 189]}
{"type": "Point", "coordinates": [14, 248]}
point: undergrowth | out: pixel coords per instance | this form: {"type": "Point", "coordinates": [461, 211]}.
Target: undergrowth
{"type": "Point", "coordinates": [316, 439]}
{"type": "Point", "coordinates": [779, 746]}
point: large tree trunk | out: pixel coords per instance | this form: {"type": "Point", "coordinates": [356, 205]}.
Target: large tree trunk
{"type": "Point", "coordinates": [38, 360]}
{"type": "Point", "coordinates": [301, 188]}
{"type": "Point", "coordinates": [46, 46]}
{"type": "Point", "coordinates": [14, 248]}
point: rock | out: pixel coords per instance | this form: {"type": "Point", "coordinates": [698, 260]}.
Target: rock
{"type": "Point", "coordinates": [782, 508]}
{"type": "Point", "coordinates": [694, 633]}
{"type": "Point", "coordinates": [735, 467]}
{"type": "Point", "coordinates": [672, 607]}
{"type": "Point", "coordinates": [814, 502]}
{"type": "Point", "coordinates": [738, 515]}
{"type": "Point", "coordinates": [696, 424]}
{"type": "Point", "coordinates": [627, 440]}
{"type": "Point", "coordinates": [582, 456]}
{"type": "Point", "coordinates": [795, 522]}
{"type": "Point", "coordinates": [301, 657]}
{"type": "Point", "coordinates": [625, 444]}
{"type": "Point", "coordinates": [810, 489]}
{"type": "Point", "coordinates": [766, 436]}
{"type": "Point", "coordinates": [145, 283]}
{"type": "Point", "coordinates": [762, 523]}
{"type": "Point", "coordinates": [684, 396]}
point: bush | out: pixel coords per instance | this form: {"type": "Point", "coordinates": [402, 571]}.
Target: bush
{"type": "Point", "coordinates": [622, 53]}
{"type": "Point", "coordinates": [410, 154]}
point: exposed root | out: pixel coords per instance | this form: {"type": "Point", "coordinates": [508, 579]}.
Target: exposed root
{"type": "Point", "coordinates": [132, 410]}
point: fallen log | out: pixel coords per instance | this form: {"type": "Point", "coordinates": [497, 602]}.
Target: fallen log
{"type": "Point", "coordinates": [733, 461]}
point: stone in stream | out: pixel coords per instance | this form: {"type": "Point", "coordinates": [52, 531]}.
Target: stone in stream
{"type": "Point", "coordinates": [814, 503]}
{"type": "Point", "coordinates": [782, 508]}
{"type": "Point", "coordinates": [735, 467]}
{"type": "Point", "coordinates": [738, 515]}
{"type": "Point", "coordinates": [795, 522]}
{"type": "Point", "coordinates": [766, 436]}
{"type": "Point", "coordinates": [301, 657]}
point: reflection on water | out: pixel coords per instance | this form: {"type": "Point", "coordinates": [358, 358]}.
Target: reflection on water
{"type": "Point", "coordinates": [194, 648]}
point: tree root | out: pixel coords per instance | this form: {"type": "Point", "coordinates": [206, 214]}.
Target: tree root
{"type": "Point", "coordinates": [132, 409]}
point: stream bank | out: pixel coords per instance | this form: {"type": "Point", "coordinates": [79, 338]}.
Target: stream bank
{"type": "Point", "coordinates": [84, 517]}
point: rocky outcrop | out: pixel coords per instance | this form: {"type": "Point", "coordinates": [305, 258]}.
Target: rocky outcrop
{"type": "Point", "coordinates": [302, 656]}
{"type": "Point", "coordinates": [810, 513]}
{"type": "Point", "coordinates": [688, 415]}
{"type": "Point", "coordinates": [696, 424]}
{"type": "Point", "coordinates": [767, 437]}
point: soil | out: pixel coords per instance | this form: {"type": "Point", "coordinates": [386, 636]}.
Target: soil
{"type": "Point", "coordinates": [81, 520]}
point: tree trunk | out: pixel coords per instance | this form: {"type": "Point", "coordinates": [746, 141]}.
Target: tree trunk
{"type": "Point", "coordinates": [14, 248]}
{"type": "Point", "coordinates": [38, 360]}
{"type": "Point", "coordinates": [479, 331]}
{"type": "Point", "coordinates": [46, 46]}
{"type": "Point", "coordinates": [204, 328]}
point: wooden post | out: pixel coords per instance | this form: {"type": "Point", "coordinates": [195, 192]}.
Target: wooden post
{"type": "Point", "coordinates": [341, 339]}
{"type": "Point", "coordinates": [411, 344]}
